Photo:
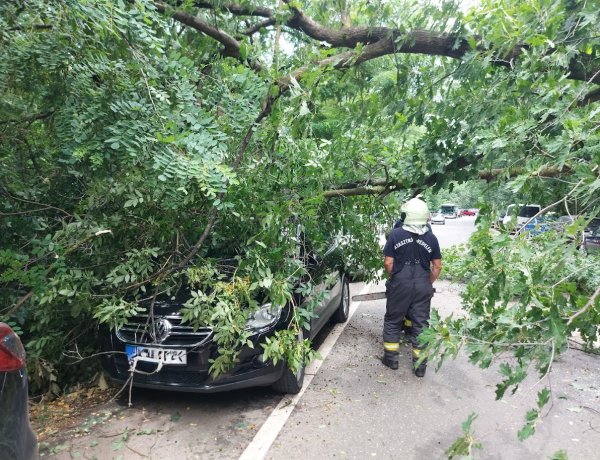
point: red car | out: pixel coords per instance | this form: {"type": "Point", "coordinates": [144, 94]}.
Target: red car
{"type": "Point", "coordinates": [17, 439]}
{"type": "Point", "coordinates": [467, 212]}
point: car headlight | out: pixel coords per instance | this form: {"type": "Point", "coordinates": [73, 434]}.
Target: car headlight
{"type": "Point", "coordinates": [267, 315]}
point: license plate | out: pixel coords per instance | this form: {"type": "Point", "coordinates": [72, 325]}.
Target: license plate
{"type": "Point", "coordinates": [156, 355]}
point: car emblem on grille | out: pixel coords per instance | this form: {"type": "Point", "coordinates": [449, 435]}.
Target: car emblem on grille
{"type": "Point", "coordinates": [161, 330]}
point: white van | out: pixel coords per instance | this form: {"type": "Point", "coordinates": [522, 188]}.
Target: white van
{"type": "Point", "coordinates": [449, 210]}
{"type": "Point", "coordinates": [526, 212]}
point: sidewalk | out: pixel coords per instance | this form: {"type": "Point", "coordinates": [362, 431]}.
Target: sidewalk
{"type": "Point", "coordinates": [356, 408]}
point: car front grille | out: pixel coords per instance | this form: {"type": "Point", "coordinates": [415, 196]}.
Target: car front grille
{"type": "Point", "coordinates": [165, 331]}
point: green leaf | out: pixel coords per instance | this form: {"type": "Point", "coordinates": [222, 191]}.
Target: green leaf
{"type": "Point", "coordinates": [526, 432]}
{"type": "Point", "coordinates": [118, 444]}
{"type": "Point", "coordinates": [543, 398]}
{"type": "Point", "coordinates": [560, 455]}
{"type": "Point", "coordinates": [304, 110]}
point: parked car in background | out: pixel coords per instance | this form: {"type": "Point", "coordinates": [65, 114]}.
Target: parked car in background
{"type": "Point", "coordinates": [593, 225]}
{"type": "Point", "coordinates": [438, 218]}
{"type": "Point", "coordinates": [449, 210]}
{"type": "Point", "coordinates": [169, 354]}
{"type": "Point", "coordinates": [539, 225]}
{"type": "Point", "coordinates": [17, 440]}
{"type": "Point", "coordinates": [522, 213]}
{"type": "Point", "coordinates": [563, 224]}
{"type": "Point", "coordinates": [591, 243]}
{"type": "Point", "coordinates": [564, 221]}
{"type": "Point", "coordinates": [467, 212]}
{"type": "Point", "coordinates": [519, 214]}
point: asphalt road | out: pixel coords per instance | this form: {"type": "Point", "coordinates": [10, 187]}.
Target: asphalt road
{"type": "Point", "coordinates": [454, 231]}
{"type": "Point", "coordinates": [354, 407]}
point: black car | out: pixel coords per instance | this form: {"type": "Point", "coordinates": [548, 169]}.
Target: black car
{"type": "Point", "coordinates": [158, 338]}
{"type": "Point", "coordinates": [17, 440]}
{"type": "Point", "coordinates": [591, 243]}
{"type": "Point", "coordinates": [591, 227]}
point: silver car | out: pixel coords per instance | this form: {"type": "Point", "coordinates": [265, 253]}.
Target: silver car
{"type": "Point", "coordinates": [438, 218]}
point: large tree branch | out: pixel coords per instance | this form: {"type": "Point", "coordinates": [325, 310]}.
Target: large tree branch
{"type": "Point", "coordinates": [32, 26]}
{"type": "Point", "coordinates": [231, 47]}
{"type": "Point", "coordinates": [214, 212]}
{"type": "Point", "coordinates": [384, 186]}
{"type": "Point", "coordinates": [30, 118]}
{"type": "Point", "coordinates": [586, 307]}
{"type": "Point", "coordinates": [251, 30]}
{"type": "Point", "coordinates": [381, 41]}
{"type": "Point", "coordinates": [590, 97]}
{"type": "Point", "coordinates": [15, 307]}
{"type": "Point", "coordinates": [418, 41]}
{"type": "Point", "coordinates": [390, 40]}
{"type": "Point", "coordinates": [5, 192]}
{"type": "Point", "coordinates": [238, 10]}
{"type": "Point", "coordinates": [550, 171]}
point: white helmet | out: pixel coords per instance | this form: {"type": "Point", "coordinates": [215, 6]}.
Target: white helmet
{"type": "Point", "coordinates": [417, 212]}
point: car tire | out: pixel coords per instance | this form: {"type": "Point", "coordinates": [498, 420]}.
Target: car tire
{"type": "Point", "coordinates": [291, 382]}
{"type": "Point", "coordinates": [343, 310]}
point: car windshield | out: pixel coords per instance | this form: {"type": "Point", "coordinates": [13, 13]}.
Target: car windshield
{"type": "Point", "coordinates": [528, 211]}
{"type": "Point", "coordinates": [594, 223]}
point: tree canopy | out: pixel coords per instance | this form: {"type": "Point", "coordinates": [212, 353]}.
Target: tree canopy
{"type": "Point", "coordinates": [141, 139]}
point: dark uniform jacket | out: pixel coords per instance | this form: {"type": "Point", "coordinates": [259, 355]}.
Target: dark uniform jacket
{"type": "Point", "coordinates": [410, 249]}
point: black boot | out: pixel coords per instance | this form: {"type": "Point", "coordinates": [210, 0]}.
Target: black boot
{"type": "Point", "coordinates": [390, 359]}
{"type": "Point", "coordinates": [421, 368]}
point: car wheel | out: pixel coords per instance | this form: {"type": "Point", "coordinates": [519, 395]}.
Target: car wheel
{"type": "Point", "coordinates": [342, 312]}
{"type": "Point", "coordinates": [291, 382]}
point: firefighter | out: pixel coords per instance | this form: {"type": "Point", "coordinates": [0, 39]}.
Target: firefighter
{"type": "Point", "coordinates": [413, 261]}
{"type": "Point", "coordinates": [407, 324]}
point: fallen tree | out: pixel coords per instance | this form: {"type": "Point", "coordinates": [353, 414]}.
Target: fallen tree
{"type": "Point", "coordinates": [140, 139]}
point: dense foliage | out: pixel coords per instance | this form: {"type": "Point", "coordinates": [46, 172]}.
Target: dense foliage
{"type": "Point", "coordinates": [140, 141]}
